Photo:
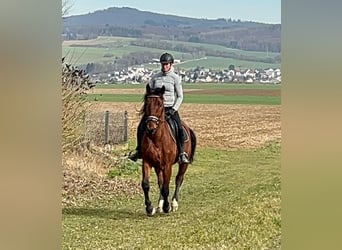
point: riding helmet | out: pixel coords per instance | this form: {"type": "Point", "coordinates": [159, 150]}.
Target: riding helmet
{"type": "Point", "coordinates": [166, 58]}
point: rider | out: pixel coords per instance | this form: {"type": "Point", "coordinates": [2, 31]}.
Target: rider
{"type": "Point", "coordinates": [173, 98]}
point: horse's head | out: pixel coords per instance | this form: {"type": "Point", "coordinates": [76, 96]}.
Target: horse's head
{"type": "Point", "coordinates": [154, 107]}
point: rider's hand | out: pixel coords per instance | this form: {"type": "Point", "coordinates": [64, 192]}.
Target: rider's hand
{"type": "Point", "coordinates": [171, 112]}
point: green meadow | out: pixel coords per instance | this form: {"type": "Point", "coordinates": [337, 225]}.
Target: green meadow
{"type": "Point", "coordinates": [229, 200]}
{"type": "Point", "coordinates": [204, 97]}
{"type": "Point", "coordinates": [106, 49]}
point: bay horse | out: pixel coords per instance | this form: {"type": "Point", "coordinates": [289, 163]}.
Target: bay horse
{"type": "Point", "coordinates": [159, 151]}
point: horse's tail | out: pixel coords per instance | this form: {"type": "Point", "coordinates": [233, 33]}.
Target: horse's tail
{"type": "Point", "coordinates": [193, 145]}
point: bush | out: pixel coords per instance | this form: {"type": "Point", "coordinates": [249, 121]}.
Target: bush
{"type": "Point", "coordinates": [75, 83]}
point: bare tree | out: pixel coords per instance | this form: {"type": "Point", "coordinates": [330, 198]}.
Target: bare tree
{"type": "Point", "coordinates": [66, 7]}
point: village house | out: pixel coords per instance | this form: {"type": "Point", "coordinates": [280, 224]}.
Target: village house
{"type": "Point", "coordinates": [137, 75]}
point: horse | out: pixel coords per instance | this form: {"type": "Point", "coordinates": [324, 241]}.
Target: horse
{"type": "Point", "coordinates": [159, 151]}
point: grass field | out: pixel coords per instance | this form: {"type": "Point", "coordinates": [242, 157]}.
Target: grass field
{"type": "Point", "coordinates": [196, 86]}
{"type": "Point", "coordinates": [230, 198]}
{"type": "Point", "coordinates": [196, 93]}
{"type": "Point", "coordinates": [190, 98]}
{"type": "Point", "coordinates": [81, 52]}
{"type": "Point", "coordinates": [212, 62]}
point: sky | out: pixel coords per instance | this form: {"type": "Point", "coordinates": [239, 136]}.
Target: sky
{"type": "Point", "coordinates": [265, 11]}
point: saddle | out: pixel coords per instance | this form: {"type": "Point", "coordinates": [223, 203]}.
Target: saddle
{"type": "Point", "coordinates": [174, 130]}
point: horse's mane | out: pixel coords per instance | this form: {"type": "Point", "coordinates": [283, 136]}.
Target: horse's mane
{"type": "Point", "coordinates": [156, 91]}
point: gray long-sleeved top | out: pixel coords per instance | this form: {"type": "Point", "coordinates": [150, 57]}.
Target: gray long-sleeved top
{"type": "Point", "coordinates": [173, 96]}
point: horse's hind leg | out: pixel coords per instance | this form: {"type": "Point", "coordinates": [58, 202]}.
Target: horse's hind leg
{"type": "Point", "coordinates": [145, 184]}
{"type": "Point", "coordinates": [179, 180]}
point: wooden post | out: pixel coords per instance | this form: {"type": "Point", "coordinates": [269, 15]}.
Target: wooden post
{"type": "Point", "coordinates": [106, 127]}
{"type": "Point", "coordinates": [126, 126]}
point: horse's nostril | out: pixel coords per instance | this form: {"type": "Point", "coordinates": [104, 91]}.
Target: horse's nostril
{"type": "Point", "coordinates": [151, 130]}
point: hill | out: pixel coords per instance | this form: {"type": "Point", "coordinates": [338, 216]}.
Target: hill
{"type": "Point", "coordinates": [130, 22]}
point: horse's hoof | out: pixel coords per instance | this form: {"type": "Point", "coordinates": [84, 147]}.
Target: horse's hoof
{"type": "Point", "coordinates": [160, 205]}
{"type": "Point", "coordinates": [167, 209]}
{"type": "Point", "coordinates": [150, 212]}
{"type": "Point", "coordinates": [174, 206]}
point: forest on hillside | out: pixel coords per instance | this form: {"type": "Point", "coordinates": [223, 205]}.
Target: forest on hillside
{"type": "Point", "coordinates": [128, 22]}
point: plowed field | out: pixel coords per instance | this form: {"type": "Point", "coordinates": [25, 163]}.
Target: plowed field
{"type": "Point", "coordinates": [216, 125]}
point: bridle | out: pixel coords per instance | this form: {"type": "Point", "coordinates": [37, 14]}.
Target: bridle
{"type": "Point", "coordinates": [154, 119]}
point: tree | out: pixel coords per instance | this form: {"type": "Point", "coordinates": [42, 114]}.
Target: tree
{"type": "Point", "coordinates": [231, 67]}
{"type": "Point", "coordinates": [66, 7]}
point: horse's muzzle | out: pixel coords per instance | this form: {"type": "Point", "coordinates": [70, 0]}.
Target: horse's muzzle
{"type": "Point", "coordinates": [152, 123]}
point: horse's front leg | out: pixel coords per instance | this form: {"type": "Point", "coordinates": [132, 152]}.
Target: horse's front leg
{"type": "Point", "coordinates": [165, 187]}
{"type": "Point", "coordinates": [159, 174]}
{"type": "Point", "coordinates": [179, 180]}
{"type": "Point", "coordinates": [145, 184]}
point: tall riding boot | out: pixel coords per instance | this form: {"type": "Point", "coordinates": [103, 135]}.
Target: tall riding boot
{"type": "Point", "coordinates": [183, 156]}
{"type": "Point", "coordinates": [134, 156]}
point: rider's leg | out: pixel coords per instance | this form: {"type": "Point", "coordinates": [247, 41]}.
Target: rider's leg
{"type": "Point", "coordinates": [183, 158]}
{"type": "Point", "coordinates": [134, 156]}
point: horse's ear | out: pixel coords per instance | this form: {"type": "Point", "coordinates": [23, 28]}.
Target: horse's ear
{"type": "Point", "coordinates": [148, 89]}
{"type": "Point", "coordinates": [162, 90]}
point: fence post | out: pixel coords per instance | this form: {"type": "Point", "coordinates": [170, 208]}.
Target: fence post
{"type": "Point", "coordinates": [106, 127]}
{"type": "Point", "coordinates": [126, 126]}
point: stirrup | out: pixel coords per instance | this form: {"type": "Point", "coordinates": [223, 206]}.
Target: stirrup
{"type": "Point", "coordinates": [183, 158]}
{"type": "Point", "coordinates": [134, 156]}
